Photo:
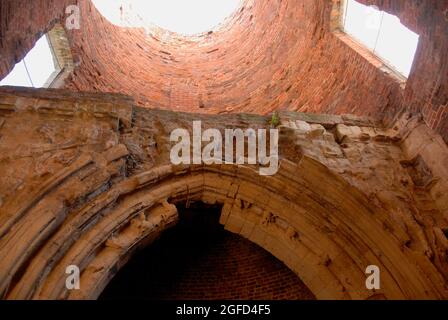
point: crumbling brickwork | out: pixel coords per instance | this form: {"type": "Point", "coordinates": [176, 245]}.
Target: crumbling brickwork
{"type": "Point", "coordinates": [269, 55]}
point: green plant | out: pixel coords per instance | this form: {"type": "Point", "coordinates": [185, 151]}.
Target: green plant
{"type": "Point", "coordinates": [275, 120]}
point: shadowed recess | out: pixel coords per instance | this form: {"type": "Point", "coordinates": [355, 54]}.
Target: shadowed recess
{"type": "Point", "coordinates": [198, 259]}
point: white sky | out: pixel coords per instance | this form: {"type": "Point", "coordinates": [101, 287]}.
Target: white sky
{"type": "Point", "coordinates": [187, 17]}
{"type": "Point", "coordinates": [39, 62]}
{"type": "Point", "coordinates": [382, 33]}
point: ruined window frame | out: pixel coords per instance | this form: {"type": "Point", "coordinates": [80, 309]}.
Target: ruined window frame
{"type": "Point", "coordinates": [61, 55]}
{"type": "Point", "coordinates": [337, 27]}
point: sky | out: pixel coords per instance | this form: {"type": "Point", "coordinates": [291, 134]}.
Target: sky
{"type": "Point", "coordinates": [382, 33]}
{"type": "Point", "coordinates": [187, 17]}
{"type": "Point", "coordinates": [39, 62]}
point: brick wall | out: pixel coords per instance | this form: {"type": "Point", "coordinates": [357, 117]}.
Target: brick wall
{"type": "Point", "coordinates": [270, 55]}
{"type": "Point", "coordinates": [273, 55]}
{"type": "Point", "coordinates": [22, 23]}
{"type": "Point", "coordinates": [199, 260]}
{"type": "Point", "coordinates": [427, 89]}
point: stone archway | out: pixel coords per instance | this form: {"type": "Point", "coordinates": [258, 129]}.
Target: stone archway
{"type": "Point", "coordinates": [320, 227]}
{"type": "Point", "coordinates": [87, 180]}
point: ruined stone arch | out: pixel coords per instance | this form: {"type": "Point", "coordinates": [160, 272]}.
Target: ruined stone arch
{"type": "Point", "coordinates": [320, 227]}
{"type": "Point", "coordinates": [87, 181]}
{"type": "Point", "coordinates": [85, 178]}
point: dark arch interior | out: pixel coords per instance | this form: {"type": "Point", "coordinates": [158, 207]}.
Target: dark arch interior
{"type": "Point", "coordinates": [198, 259]}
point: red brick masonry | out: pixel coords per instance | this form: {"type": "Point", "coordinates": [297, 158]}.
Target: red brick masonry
{"type": "Point", "coordinates": [270, 55]}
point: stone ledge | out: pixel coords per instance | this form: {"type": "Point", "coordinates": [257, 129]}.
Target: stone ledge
{"type": "Point", "coordinates": [64, 102]}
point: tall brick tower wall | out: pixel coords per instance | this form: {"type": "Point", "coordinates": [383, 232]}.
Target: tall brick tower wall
{"type": "Point", "coordinates": [269, 55]}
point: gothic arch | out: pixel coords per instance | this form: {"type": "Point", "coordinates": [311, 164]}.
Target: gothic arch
{"type": "Point", "coordinates": [321, 227]}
